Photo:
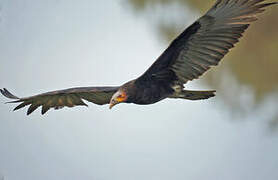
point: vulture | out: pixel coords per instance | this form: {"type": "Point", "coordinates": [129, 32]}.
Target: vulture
{"type": "Point", "coordinates": [199, 47]}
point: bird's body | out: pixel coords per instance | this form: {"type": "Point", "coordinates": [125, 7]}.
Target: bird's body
{"type": "Point", "coordinates": [198, 48]}
{"type": "Point", "coordinates": [146, 93]}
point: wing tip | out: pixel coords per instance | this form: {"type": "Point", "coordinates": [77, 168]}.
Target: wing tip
{"type": "Point", "coordinates": [44, 109]}
{"type": "Point", "coordinates": [7, 94]}
{"type": "Point", "coordinates": [257, 5]}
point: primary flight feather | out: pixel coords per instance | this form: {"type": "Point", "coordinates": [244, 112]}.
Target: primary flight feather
{"type": "Point", "coordinates": [191, 54]}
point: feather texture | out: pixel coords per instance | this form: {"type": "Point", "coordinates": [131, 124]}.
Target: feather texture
{"type": "Point", "coordinates": [63, 98]}
{"type": "Point", "coordinates": [206, 41]}
{"type": "Point", "coordinates": [198, 48]}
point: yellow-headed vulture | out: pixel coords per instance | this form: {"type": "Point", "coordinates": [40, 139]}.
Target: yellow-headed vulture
{"type": "Point", "coordinates": [193, 52]}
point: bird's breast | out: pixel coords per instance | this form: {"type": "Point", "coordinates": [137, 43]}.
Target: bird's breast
{"type": "Point", "coordinates": [150, 94]}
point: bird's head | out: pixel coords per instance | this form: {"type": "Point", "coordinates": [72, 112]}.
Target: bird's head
{"type": "Point", "coordinates": [119, 97]}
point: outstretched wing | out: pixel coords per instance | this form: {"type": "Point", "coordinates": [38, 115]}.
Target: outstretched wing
{"type": "Point", "coordinates": [206, 41]}
{"type": "Point", "coordinates": [59, 99]}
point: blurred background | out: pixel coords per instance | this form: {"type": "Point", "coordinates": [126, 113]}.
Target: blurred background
{"type": "Point", "coordinates": [57, 44]}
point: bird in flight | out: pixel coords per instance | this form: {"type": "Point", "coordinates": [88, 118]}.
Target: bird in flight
{"type": "Point", "coordinates": [199, 47]}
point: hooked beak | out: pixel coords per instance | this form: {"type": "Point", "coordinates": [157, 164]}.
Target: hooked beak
{"type": "Point", "coordinates": [112, 103]}
{"type": "Point", "coordinates": [117, 98]}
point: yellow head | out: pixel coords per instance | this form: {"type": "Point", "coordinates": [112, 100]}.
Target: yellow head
{"type": "Point", "coordinates": [119, 97]}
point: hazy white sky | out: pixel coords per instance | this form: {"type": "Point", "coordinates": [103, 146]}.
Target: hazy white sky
{"type": "Point", "coordinates": [56, 44]}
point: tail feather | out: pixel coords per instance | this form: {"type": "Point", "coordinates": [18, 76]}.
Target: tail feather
{"type": "Point", "coordinates": [195, 95]}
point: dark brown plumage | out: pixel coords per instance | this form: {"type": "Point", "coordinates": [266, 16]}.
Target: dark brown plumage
{"type": "Point", "coordinates": [191, 54]}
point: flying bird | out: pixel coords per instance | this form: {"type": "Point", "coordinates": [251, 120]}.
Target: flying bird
{"type": "Point", "coordinates": [199, 47]}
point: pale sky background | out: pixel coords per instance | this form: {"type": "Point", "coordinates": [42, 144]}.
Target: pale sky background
{"type": "Point", "coordinates": [57, 44]}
